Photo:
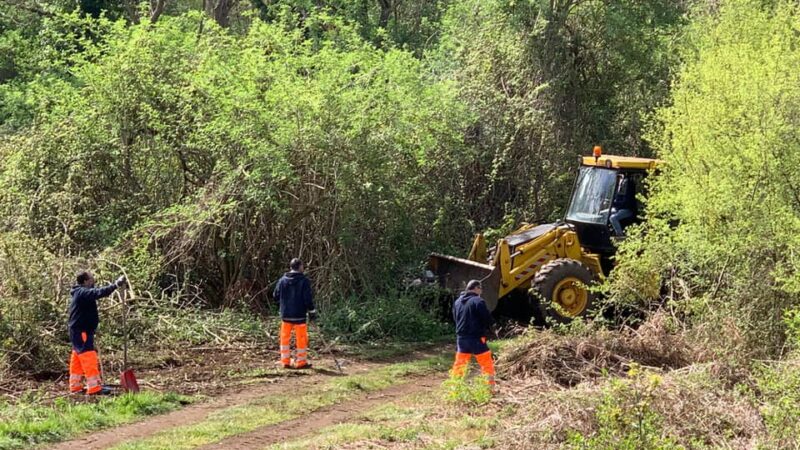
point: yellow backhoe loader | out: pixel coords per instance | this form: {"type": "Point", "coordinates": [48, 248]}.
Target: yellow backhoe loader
{"type": "Point", "coordinates": [553, 264]}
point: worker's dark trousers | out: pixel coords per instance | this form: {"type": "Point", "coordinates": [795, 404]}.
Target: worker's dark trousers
{"type": "Point", "coordinates": [83, 362]}
{"type": "Point", "coordinates": [466, 348]}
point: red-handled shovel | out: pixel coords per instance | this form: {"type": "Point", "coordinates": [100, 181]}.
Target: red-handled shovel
{"type": "Point", "coordinates": [127, 379]}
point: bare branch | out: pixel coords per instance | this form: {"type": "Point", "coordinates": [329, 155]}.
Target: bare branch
{"type": "Point", "coordinates": [156, 9]}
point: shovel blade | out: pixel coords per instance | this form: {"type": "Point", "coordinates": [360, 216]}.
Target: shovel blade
{"type": "Point", "coordinates": [127, 380]}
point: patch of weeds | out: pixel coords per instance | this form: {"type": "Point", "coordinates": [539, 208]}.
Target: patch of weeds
{"type": "Point", "coordinates": [386, 351]}
{"type": "Point", "coordinates": [403, 434]}
{"type": "Point", "coordinates": [23, 425]}
{"type": "Point", "coordinates": [626, 417]}
{"type": "Point", "coordinates": [419, 420]}
{"type": "Point", "coordinates": [258, 372]}
{"type": "Point", "coordinates": [392, 412]}
{"type": "Point", "coordinates": [779, 384]}
{"type": "Point", "coordinates": [499, 345]}
{"type": "Point", "coordinates": [474, 391]}
{"type": "Point", "coordinates": [399, 318]}
{"type": "Point", "coordinates": [353, 385]}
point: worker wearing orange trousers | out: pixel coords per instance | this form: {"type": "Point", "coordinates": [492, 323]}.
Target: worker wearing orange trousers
{"type": "Point", "coordinates": [473, 320]}
{"type": "Point", "coordinates": [83, 321]}
{"type": "Point", "coordinates": [293, 293]}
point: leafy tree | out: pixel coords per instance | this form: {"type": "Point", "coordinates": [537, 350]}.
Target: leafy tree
{"type": "Point", "coordinates": [723, 217]}
{"type": "Point", "coordinates": [547, 81]}
{"type": "Point", "coordinates": [408, 24]}
{"type": "Point", "coordinates": [245, 151]}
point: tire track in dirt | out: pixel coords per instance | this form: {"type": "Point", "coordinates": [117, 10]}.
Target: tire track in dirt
{"type": "Point", "coordinates": [300, 427]}
{"type": "Point", "coordinates": [184, 416]}
{"type": "Point", "coordinates": [240, 395]}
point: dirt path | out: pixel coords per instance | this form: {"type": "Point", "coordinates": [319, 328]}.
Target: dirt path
{"type": "Point", "coordinates": [240, 395]}
{"type": "Point", "coordinates": [186, 416]}
{"type": "Point", "coordinates": [330, 415]}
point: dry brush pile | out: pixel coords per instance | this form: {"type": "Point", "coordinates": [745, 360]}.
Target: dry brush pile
{"type": "Point", "coordinates": [570, 360]}
{"type": "Point", "coordinates": [648, 387]}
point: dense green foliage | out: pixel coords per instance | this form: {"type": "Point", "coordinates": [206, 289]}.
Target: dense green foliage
{"type": "Point", "coordinates": [202, 144]}
{"type": "Point", "coordinates": [201, 149]}
{"type": "Point", "coordinates": [723, 219]}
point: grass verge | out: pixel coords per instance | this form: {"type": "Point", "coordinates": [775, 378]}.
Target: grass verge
{"type": "Point", "coordinates": [24, 425]}
{"type": "Point", "coordinates": [420, 420]}
{"type": "Point", "coordinates": [274, 409]}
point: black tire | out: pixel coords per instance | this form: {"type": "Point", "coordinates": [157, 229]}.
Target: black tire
{"type": "Point", "coordinates": [560, 286]}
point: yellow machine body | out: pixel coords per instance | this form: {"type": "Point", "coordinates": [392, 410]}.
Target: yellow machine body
{"type": "Point", "coordinates": [517, 258]}
{"type": "Point", "coordinates": [514, 261]}
{"type": "Point", "coordinates": [621, 162]}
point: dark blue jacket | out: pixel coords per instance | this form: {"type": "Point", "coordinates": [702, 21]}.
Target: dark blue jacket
{"type": "Point", "coordinates": [626, 196]}
{"type": "Point", "coordinates": [472, 317]}
{"type": "Point", "coordinates": [83, 307]}
{"type": "Point", "coordinates": [293, 291]}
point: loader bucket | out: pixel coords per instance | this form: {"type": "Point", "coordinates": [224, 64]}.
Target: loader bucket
{"type": "Point", "coordinates": [454, 273]}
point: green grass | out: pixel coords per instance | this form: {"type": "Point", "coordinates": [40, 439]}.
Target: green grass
{"type": "Point", "coordinates": [383, 351]}
{"type": "Point", "coordinates": [24, 425]}
{"type": "Point", "coordinates": [423, 419]}
{"type": "Point", "coordinates": [255, 373]}
{"type": "Point", "coordinates": [274, 409]}
{"type": "Point", "coordinates": [419, 419]}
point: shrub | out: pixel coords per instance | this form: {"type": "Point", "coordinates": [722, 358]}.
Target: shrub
{"type": "Point", "coordinates": [399, 318]}
{"type": "Point", "coordinates": [779, 386]}
{"type": "Point", "coordinates": [723, 217]}
{"type": "Point", "coordinates": [33, 285]}
{"type": "Point", "coordinates": [626, 419]}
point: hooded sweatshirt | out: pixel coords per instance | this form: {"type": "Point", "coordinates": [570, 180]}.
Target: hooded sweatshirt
{"type": "Point", "coordinates": [472, 317]}
{"type": "Point", "coordinates": [293, 292]}
{"type": "Point", "coordinates": [83, 307]}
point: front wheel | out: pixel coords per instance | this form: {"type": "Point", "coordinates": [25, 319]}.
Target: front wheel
{"type": "Point", "coordinates": [562, 287]}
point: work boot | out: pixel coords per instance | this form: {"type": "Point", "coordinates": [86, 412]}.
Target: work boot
{"type": "Point", "coordinates": [304, 366]}
{"type": "Point", "coordinates": [105, 390]}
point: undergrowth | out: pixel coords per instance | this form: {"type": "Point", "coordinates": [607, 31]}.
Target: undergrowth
{"type": "Point", "coordinates": [397, 318]}
{"type": "Point", "coordinates": [466, 391]}
{"type": "Point", "coordinates": [626, 417]}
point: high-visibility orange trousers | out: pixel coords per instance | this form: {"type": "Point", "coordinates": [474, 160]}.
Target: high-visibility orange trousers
{"type": "Point", "coordinates": [484, 360]}
{"type": "Point", "coordinates": [301, 340]}
{"type": "Point", "coordinates": [82, 365]}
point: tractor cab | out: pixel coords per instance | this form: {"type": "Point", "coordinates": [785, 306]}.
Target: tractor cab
{"type": "Point", "coordinates": [605, 199]}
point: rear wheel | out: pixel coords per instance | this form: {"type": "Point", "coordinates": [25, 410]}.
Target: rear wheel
{"type": "Point", "coordinates": [561, 286]}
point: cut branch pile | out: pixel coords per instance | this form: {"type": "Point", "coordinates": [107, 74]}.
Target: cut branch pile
{"type": "Point", "coordinates": [569, 360]}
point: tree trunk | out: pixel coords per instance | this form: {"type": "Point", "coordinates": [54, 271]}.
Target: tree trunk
{"type": "Point", "coordinates": [219, 10]}
{"type": "Point", "coordinates": [156, 8]}
{"type": "Point", "coordinates": [386, 11]}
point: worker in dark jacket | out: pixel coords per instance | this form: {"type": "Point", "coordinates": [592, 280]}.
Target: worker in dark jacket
{"type": "Point", "coordinates": [624, 205]}
{"type": "Point", "coordinates": [294, 295]}
{"type": "Point", "coordinates": [473, 320]}
{"type": "Point", "coordinates": [83, 321]}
